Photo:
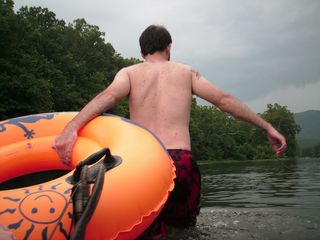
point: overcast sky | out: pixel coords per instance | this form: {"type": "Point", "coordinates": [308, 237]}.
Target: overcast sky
{"type": "Point", "coordinates": [262, 51]}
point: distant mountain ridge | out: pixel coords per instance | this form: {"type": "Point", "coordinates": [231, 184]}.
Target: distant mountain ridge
{"type": "Point", "coordinates": [309, 122]}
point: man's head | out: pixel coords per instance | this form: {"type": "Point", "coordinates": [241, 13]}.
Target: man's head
{"type": "Point", "coordinates": [155, 38]}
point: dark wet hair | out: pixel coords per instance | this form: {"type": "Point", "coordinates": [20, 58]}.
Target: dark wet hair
{"type": "Point", "coordinates": [154, 38]}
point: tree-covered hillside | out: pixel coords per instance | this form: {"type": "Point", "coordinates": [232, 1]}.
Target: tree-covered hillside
{"type": "Point", "coordinates": [310, 124]}
{"type": "Point", "coordinates": [47, 65]}
{"type": "Point", "coordinates": [309, 136]}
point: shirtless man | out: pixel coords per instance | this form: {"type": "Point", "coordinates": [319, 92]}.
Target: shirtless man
{"type": "Point", "coordinates": [160, 95]}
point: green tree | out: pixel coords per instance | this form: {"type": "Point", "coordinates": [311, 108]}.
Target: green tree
{"type": "Point", "coordinates": [209, 133]}
{"type": "Point", "coordinates": [24, 88]}
{"type": "Point", "coordinates": [217, 135]}
{"type": "Point", "coordinates": [46, 65]}
{"type": "Point", "coordinates": [283, 120]}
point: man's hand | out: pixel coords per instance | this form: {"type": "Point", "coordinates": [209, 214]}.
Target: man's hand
{"type": "Point", "coordinates": [64, 145]}
{"type": "Point", "coordinates": [277, 141]}
{"type": "Point", "coordinates": [5, 233]}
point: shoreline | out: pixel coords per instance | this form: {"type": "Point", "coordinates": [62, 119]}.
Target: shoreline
{"type": "Point", "coordinates": [252, 223]}
{"type": "Point", "coordinates": [207, 162]}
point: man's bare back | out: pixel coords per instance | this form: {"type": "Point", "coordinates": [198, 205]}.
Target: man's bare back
{"type": "Point", "coordinates": [160, 97]}
{"type": "Point", "coordinates": [160, 100]}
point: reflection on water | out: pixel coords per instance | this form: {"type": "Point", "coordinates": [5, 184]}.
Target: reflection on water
{"type": "Point", "coordinates": [250, 184]}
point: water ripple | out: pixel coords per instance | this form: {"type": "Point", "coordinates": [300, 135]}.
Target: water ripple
{"type": "Point", "coordinates": [262, 184]}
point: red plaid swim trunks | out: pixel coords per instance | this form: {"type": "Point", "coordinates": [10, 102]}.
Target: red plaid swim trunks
{"type": "Point", "coordinates": [183, 205]}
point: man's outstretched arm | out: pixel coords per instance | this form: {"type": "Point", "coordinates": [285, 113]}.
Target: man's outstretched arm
{"type": "Point", "coordinates": [105, 100]}
{"type": "Point", "coordinates": [227, 103]}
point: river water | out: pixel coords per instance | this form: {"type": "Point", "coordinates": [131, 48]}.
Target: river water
{"type": "Point", "coordinates": [277, 199]}
{"type": "Point", "coordinates": [277, 184]}
{"type": "Point", "coordinates": [254, 200]}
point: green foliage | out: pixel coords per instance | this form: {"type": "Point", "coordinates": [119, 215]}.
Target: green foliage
{"type": "Point", "coordinates": [216, 135]}
{"type": "Point", "coordinates": [47, 65]}
{"type": "Point", "coordinates": [283, 120]}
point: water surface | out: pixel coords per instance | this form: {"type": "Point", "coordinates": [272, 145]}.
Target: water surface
{"type": "Point", "coordinates": [258, 200]}
{"type": "Point", "coordinates": [281, 184]}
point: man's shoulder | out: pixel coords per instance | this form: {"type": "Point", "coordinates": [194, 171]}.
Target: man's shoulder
{"type": "Point", "coordinates": [190, 69]}
{"type": "Point", "coordinates": [134, 66]}
{"type": "Point", "coordinates": [182, 65]}
{"type": "Point", "coordinates": [138, 67]}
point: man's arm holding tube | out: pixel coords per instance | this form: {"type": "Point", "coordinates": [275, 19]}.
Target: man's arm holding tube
{"type": "Point", "coordinates": [105, 100]}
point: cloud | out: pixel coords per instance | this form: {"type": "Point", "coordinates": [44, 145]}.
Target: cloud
{"type": "Point", "coordinates": [252, 49]}
{"type": "Point", "coordinates": [295, 98]}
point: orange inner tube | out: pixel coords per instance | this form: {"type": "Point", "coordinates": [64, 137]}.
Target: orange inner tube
{"type": "Point", "coordinates": [133, 193]}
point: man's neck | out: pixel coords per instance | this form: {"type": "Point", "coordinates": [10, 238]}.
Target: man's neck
{"type": "Point", "coordinates": [156, 57]}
